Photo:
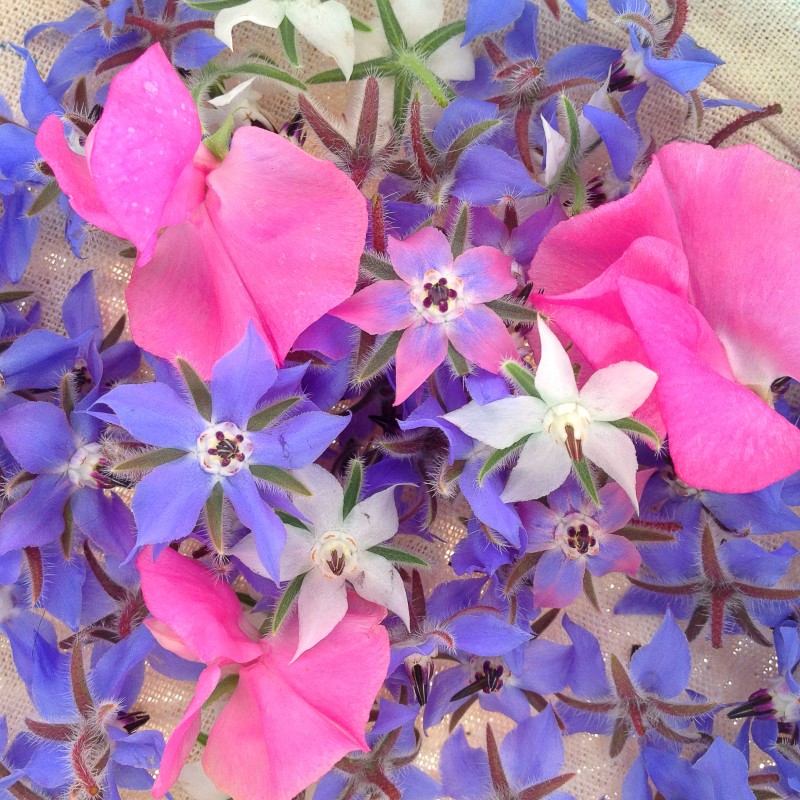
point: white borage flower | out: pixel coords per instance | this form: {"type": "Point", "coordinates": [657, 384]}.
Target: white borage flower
{"type": "Point", "coordinates": [326, 25]}
{"type": "Point", "coordinates": [334, 551]}
{"type": "Point", "coordinates": [562, 427]}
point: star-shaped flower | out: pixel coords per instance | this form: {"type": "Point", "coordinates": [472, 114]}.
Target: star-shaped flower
{"type": "Point", "coordinates": [557, 428]}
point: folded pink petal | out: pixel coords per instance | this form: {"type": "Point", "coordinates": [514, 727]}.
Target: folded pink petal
{"type": "Point", "coordinates": [422, 348]}
{"type": "Point", "coordinates": [147, 136]}
{"type": "Point", "coordinates": [199, 609]}
{"type": "Point", "coordinates": [380, 308]}
{"type": "Point", "coordinates": [289, 723]}
{"type": "Point", "coordinates": [413, 256]}
{"type": "Point", "coordinates": [482, 338]}
{"type": "Point", "coordinates": [184, 737]}
{"type": "Point", "coordinates": [737, 214]}
{"type": "Point", "coordinates": [718, 430]}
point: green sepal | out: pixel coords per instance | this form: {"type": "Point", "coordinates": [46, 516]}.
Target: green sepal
{"type": "Point", "coordinates": [459, 238]}
{"type": "Point", "coordinates": [67, 533]}
{"type": "Point", "coordinates": [402, 96]}
{"type": "Point", "coordinates": [66, 396]}
{"type": "Point", "coordinates": [414, 66]}
{"type": "Point", "coordinates": [587, 479]}
{"type": "Point", "coordinates": [270, 413]}
{"type": "Point", "coordinates": [378, 267]}
{"type": "Point", "coordinates": [280, 477]}
{"type": "Point", "coordinates": [397, 556]}
{"type": "Point", "coordinates": [573, 125]}
{"type": "Point", "coordinates": [219, 143]}
{"type": "Point", "coordinates": [289, 41]}
{"type": "Point", "coordinates": [214, 5]}
{"type": "Point", "coordinates": [639, 428]}
{"type": "Point", "coordinates": [114, 335]}
{"type": "Point", "coordinates": [286, 601]}
{"type": "Point", "coordinates": [213, 73]}
{"type": "Point", "coordinates": [225, 687]}
{"type": "Point", "coordinates": [48, 195]}
{"type": "Point", "coordinates": [497, 458]}
{"type": "Point", "coordinates": [458, 361]}
{"type": "Point", "coordinates": [513, 311]}
{"type": "Point", "coordinates": [466, 138]}
{"type": "Point", "coordinates": [379, 67]}
{"type": "Point", "coordinates": [150, 459]}
{"type": "Point", "coordinates": [290, 519]}
{"type": "Point", "coordinates": [360, 25]}
{"type": "Point", "coordinates": [13, 296]}
{"type": "Point", "coordinates": [379, 359]}
{"type": "Point", "coordinates": [352, 490]}
{"type": "Point", "coordinates": [432, 41]}
{"type": "Point", "coordinates": [197, 388]}
{"type": "Point", "coordinates": [520, 377]}
{"type": "Point", "coordinates": [391, 27]}
{"type": "Point", "coordinates": [214, 517]}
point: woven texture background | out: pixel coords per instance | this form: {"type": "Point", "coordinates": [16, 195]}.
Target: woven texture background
{"type": "Point", "coordinates": [760, 43]}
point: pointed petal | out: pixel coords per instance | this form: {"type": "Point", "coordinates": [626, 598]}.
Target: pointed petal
{"type": "Point", "coordinates": [321, 605]}
{"type": "Point", "coordinates": [168, 500]}
{"type": "Point", "coordinates": [379, 582]}
{"type": "Point", "coordinates": [464, 769]}
{"type": "Point", "coordinates": [38, 517]}
{"type": "Point", "coordinates": [482, 338]}
{"type": "Point", "coordinates": [422, 348]}
{"type": "Point", "coordinates": [555, 379]}
{"type": "Point", "coordinates": [324, 507]}
{"type": "Point", "coordinates": [413, 256]}
{"type": "Point", "coordinates": [613, 451]}
{"type": "Point", "coordinates": [380, 308]}
{"type": "Point", "coordinates": [616, 391]}
{"type": "Point", "coordinates": [38, 436]}
{"type": "Point", "coordinates": [501, 423]}
{"type": "Point", "coordinates": [488, 16]}
{"type": "Point", "coordinates": [663, 665]}
{"type": "Point", "coordinates": [542, 467]}
{"type": "Point", "coordinates": [263, 12]}
{"type": "Point", "coordinates": [373, 520]}
{"type": "Point", "coordinates": [486, 273]}
{"type": "Point", "coordinates": [297, 441]}
{"type": "Point", "coordinates": [241, 378]}
{"type": "Point", "coordinates": [558, 580]}
{"type": "Point", "coordinates": [328, 27]}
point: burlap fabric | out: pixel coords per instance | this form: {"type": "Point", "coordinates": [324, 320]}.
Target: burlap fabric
{"type": "Point", "coordinates": [760, 43]}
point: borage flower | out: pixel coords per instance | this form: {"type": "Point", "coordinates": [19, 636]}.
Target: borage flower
{"type": "Point", "coordinates": [560, 426]}
{"type": "Point", "coordinates": [229, 251]}
{"type": "Point", "coordinates": [334, 551]}
{"type": "Point", "coordinates": [288, 720]}
{"type": "Point", "coordinates": [436, 301]}
{"type": "Point", "coordinates": [217, 446]}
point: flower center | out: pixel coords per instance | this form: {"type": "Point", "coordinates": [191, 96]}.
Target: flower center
{"type": "Point", "coordinates": [82, 469]}
{"type": "Point", "coordinates": [568, 424]}
{"type": "Point", "coordinates": [577, 535]}
{"type": "Point", "coordinates": [490, 674]}
{"type": "Point", "coordinates": [223, 449]}
{"type": "Point", "coordinates": [440, 298]}
{"type": "Point", "coordinates": [335, 553]}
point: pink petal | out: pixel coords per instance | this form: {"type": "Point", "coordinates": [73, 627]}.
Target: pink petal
{"type": "Point", "coordinates": [201, 611]}
{"type": "Point", "coordinates": [147, 136]}
{"type": "Point", "coordinates": [737, 214]}
{"type": "Point", "coordinates": [413, 256]}
{"type": "Point", "coordinates": [289, 723]}
{"type": "Point", "coordinates": [422, 348]}
{"type": "Point", "coordinates": [184, 737]}
{"type": "Point", "coordinates": [722, 437]}
{"type": "Point", "coordinates": [73, 176]}
{"type": "Point", "coordinates": [293, 226]}
{"type": "Point", "coordinates": [577, 250]}
{"type": "Point", "coordinates": [481, 337]}
{"type": "Point", "coordinates": [486, 273]}
{"type": "Point", "coordinates": [379, 308]}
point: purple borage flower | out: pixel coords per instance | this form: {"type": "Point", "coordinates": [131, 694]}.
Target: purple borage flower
{"type": "Point", "coordinates": [573, 535]}
{"type": "Point", "coordinates": [437, 301]}
{"type": "Point", "coordinates": [218, 445]}
{"type": "Point", "coordinates": [489, 16]}
{"type": "Point", "coordinates": [642, 700]}
{"type": "Point", "coordinates": [526, 766]}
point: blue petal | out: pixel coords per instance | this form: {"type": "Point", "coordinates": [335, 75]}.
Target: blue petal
{"type": "Point", "coordinates": [268, 531]}
{"type": "Point", "coordinates": [545, 666]}
{"type": "Point", "coordinates": [413, 782]}
{"type": "Point", "coordinates": [464, 770]}
{"type": "Point", "coordinates": [587, 674]}
{"type": "Point", "coordinates": [81, 311]}
{"type": "Point", "coordinates": [581, 60]}
{"type": "Point", "coordinates": [73, 24]}
{"type": "Point", "coordinates": [156, 415]}
{"type": "Point", "coordinates": [453, 596]}
{"type": "Point", "coordinates": [636, 786]}
{"type": "Point", "coordinates": [392, 716]}
{"type": "Point", "coordinates": [117, 10]}
{"type": "Point", "coordinates": [38, 436]}
{"type": "Point", "coordinates": [38, 517]}
{"type": "Point", "coordinates": [676, 778]}
{"type": "Point", "coordinates": [488, 16]}
{"type": "Point", "coordinates": [722, 763]}
{"type": "Point", "coordinates": [120, 361]}
{"type": "Point", "coordinates": [534, 751]}
{"type": "Point", "coordinates": [682, 76]}
{"type": "Point", "coordinates": [759, 512]}
{"type": "Point", "coordinates": [484, 500]}
{"type": "Point", "coordinates": [168, 501]}
{"type": "Point", "coordinates": [485, 633]}
{"type": "Point", "coordinates": [664, 664]}
{"type": "Point", "coordinates": [241, 378]}
{"type": "Point", "coordinates": [111, 674]}
{"type": "Point", "coordinates": [521, 41]}
{"type": "Point", "coordinates": [620, 141]}
{"type": "Point", "coordinates": [580, 9]}
{"type": "Point", "coordinates": [509, 701]}
{"type": "Point", "coordinates": [485, 175]}
{"type": "Point", "coordinates": [297, 441]}
{"type": "Point", "coordinates": [141, 749]}
{"type": "Point", "coordinates": [460, 115]}
{"type": "Point", "coordinates": [18, 153]}
{"type": "Point", "coordinates": [34, 98]}
{"type": "Point", "coordinates": [17, 234]}
{"type": "Point", "coordinates": [445, 685]}
{"type": "Point", "coordinates": [745, 559]}
{"type": "Point", "coordinates": [62, 593]}
{"type": "Point", "coordinates": [331, 786]}
{"type": "Point", "coordinates": [37, 360]}
{"type": "Point", "coordinates": [107, 521]}
{"type": "Point", "coordinates": [195, 50]}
